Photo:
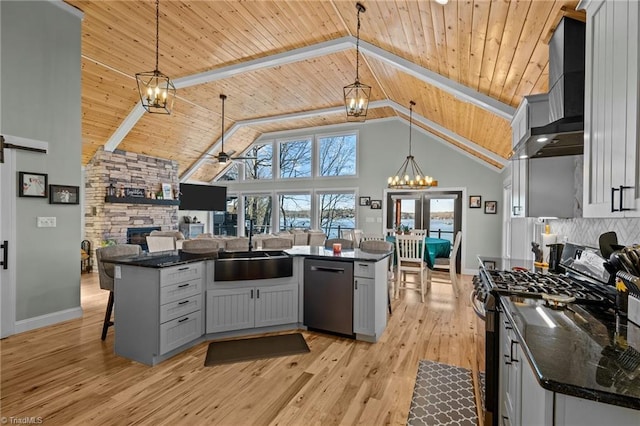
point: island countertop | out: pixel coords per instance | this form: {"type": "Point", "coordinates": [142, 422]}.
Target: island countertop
{"type": "Point", "coordinates": [162, 259]}
{"type": "Point", "coordinates": [347, 255]}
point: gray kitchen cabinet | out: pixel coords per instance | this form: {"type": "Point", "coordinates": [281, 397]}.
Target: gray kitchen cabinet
{"type": "Point", "coordinates": [370, 299]}
{"type": "Point", "coordinates": [157, 310]}
{"type": "Point", "coordinates": [231, 309]}
{"type": "Point", "coordinates": [611, 150]}
{"type": "Point", "coordinates": [533, 111]}
{"type": "Point", "coordinates": [510, 375]}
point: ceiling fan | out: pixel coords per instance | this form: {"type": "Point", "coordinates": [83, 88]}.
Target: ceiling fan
{"type": "Point", "coordinates": [225, 157]}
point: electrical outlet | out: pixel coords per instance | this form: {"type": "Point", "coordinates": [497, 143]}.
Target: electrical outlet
{"type": "Point", "coordinates": [46, 222]}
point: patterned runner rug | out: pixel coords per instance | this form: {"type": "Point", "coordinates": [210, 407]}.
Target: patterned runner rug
{"type": "Point", "coordinates": [443, 395]}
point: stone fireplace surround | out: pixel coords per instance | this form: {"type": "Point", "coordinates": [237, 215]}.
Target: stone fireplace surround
{"type": "Point", "coordinates": [109, 221]}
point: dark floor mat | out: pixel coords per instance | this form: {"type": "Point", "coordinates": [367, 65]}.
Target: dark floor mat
{"type": "Point", "coordinates": [443, 395]}
{"type": "Point", "coordinates": [229, 351]}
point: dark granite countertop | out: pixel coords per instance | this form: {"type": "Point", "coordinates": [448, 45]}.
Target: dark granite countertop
{"type": "Point", "coordinates": [163, 259]}
{"type": "Point", "coordinates": [584, 351]}
{"type": "Point", "coordinates": [319, 252]}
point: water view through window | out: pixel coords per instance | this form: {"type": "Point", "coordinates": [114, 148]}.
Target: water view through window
{"type": "Point", "coordinates": [440, 218]}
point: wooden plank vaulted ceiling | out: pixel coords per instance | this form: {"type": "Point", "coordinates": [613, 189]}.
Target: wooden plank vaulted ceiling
{"type": "Point", "coordinates": [283, 64]}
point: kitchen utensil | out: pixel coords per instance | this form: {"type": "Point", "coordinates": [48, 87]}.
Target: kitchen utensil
{"type": "Point", "coordinates": [606, 241]}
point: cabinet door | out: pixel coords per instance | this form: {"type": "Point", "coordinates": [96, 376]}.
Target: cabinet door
{"type": "Point", "coordinates": [510, 375]}
{"type": "Point", "coordinates": [611, 110]}
{"type": "Point", "coordinates": [230, 309]}
{"type": "Point", "coordinates": [276, 305]}
{"type": "Point", "coordinates": [364, 305]}
{"type": "Point", "coordinates": [537, 408]}
{"type": "Point", "coordinates": [180, 331]}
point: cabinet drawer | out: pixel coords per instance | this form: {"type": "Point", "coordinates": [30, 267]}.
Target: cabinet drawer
{"type": "Point", "coordinates": [364, 269]}
{"type": "Point", "coordinates": [179, 308]}
{"type": "Point", "coordinates": [177, 291]}
{"type": "Point", "coordinates": [180, 331]}
{"type": "Point", "coordinates": [181, 273]}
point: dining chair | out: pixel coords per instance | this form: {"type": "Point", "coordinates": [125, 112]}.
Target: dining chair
{"type": "Point", "coordinates": [449, 265]}
{"type": "Point", "coordinates": [160, 243]}
{"type": "Point", "coordinates": [346, 234]}
{"type": "Point", "coordinates": [390, 232]}
{"type": "Point", "coordinates": [277, 243]}
{"type": "Point", "coordinates": [317, 238]}
{"type": "Point", "coordinates": [237, 244]}
{"type": "Point", "coordinates": [422, 232]}
{"type": "Point", "coordinates": [106, 274]}
{"type": "Point", "coordinates": [203, 245]}
{"type": "Point", "coordinates": [372, 237]}
{"type": "Point", "coordinates": [357, 237]}
{"type": "Point", "coordinates": [379, 245]}
{"type": "Point", "coordinates": [346, 244]}
{"type": "Point", "coordinates": [410, 260]}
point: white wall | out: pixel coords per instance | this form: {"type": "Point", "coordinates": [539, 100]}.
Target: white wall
{"type": "Point", "coordinates": [41, 99]}
{"type": "Point", "coordinates": [383, 146]}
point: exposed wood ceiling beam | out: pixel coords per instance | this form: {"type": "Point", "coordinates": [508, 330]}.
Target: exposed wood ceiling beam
{"type": "Point", "coordinates": [456, 89]}
{"type": "Point", "coordinates": [320, 49]}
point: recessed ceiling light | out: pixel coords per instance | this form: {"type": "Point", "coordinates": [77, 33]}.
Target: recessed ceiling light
{"type": "Point", "coordinates": [542, 139]}
{"type": "Point", "coordinates": [523, 156]}
{"type": "Point", "coordinates": [442, 1]}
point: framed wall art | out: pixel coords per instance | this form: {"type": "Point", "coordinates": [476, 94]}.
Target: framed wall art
{"type": "Point", "coordinates": [365, 201]}
{"type": "Point", "coordinates": [376, 204]}
{"type": "Point", "coordinates": [64, 194]}
{"type": "Point", "coordinates": [32, 184]}
{"type": "Point", "coordinates": [475, 201]}
{"type": "Point", "coordinates": [490, 207]}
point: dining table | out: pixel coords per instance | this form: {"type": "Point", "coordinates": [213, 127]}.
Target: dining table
{"type": "Point", "coordinates": [436, 247]}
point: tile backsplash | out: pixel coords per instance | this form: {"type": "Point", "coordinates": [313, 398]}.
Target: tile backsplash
{"type": "Point", "coordinates": [587, 231]}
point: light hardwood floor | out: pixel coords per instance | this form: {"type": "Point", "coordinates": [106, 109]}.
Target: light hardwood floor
{"type": "Point", "coordinates": [65, 375]}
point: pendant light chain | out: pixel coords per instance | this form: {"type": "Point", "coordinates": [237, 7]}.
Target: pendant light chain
{"type": "Point", "coordinates": [411, 104]}
{"type": "Point", "coordinates": [358, 47]}
{"type": "Point", "coordinates": [157, 31]}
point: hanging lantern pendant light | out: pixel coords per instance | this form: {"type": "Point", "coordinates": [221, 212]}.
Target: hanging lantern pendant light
{"type": "Point", "coordinates": [156, 90]}
{"type": "Point", "coordinates": [409, 175]}
{"type": "Point", "coordinates": [356, 95]}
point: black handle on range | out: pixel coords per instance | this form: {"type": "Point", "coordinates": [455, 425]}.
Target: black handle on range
{"type": "Point", "coordinates": [5, 254]}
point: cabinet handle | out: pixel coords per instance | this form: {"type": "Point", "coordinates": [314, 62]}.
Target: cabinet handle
{"type": "Point", "coordinates": [183, 319]}
{"type": "Point", "coordinates": [505, 420]}
{"type": "Point", "coordinates": [356, 283]}
{"type": "Point", "coordinates": [251, 294]}
{"type": "Point", "coordinates": [5, 255]}
{"type": "Point", "coordinates": [183, 285]}
{"type": "Point", "coordinates": [258, 294]}
{"type": "Point", "coordinates": [507, 325]}
{"type": "Point", "coordinates": [511, 351]}
{"type": "Point", "coordinates": [183, 269]}
{"type": "Point", "coordinates": [506, 359]}
{"type": "Point", "coordinates": [183, 302]}
{"type": "Point", "coordinates": [613, 192]}
{"type": "Point", "coordinates": [622, 188]}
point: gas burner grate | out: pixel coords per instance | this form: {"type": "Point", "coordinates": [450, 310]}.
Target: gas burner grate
{"type": "Point", "coordinates": [534, 285]}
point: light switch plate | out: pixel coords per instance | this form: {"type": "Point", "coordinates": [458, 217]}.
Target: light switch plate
{"type": "Point", "coordinates": [46, 222]}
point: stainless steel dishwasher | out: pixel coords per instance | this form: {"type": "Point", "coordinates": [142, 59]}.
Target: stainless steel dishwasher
{"type": "Point", "coordinates": [328, 295]}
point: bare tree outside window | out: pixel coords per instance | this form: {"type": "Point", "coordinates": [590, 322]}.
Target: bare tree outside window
{"type": "Point", "coordinates": [262, 166]}
{"type": "Point", "coordinates": [295, 159]}
{"type": "Point", "coordinates": [295, 211]}
{"type": "Point", "coordinates": [258, 208]}
{"type": "Point", "coordinates": [337, 211]}
{"type": "Point", "coordinates": [337, 155]}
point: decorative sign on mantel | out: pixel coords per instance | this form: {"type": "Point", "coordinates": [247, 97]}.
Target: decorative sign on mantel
{"type": "Point", "coordinates": [135, 192]}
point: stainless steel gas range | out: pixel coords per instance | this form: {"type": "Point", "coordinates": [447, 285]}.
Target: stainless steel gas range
{"type": "Point", "coordinates": [584, 283]}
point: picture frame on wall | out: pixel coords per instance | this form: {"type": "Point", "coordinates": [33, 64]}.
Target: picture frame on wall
{"type": "Point", "coordinates": [475, 201]}
{"type": "Point", "coordinates": [32, 184]}
{"type": "Point", "coordinates": [490, 207]}
{"type": "Point", "coordinates": [166, 191]}
{"type": "Point", "coordinates": [64, 194]}
{"type": "Point", "coordinates": [365, 201]}
{"type": "Point", "coordinates": [376, 204]}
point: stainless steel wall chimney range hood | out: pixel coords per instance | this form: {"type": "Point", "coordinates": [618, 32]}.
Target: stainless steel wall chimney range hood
{"type": "Point", "coordinates": [563, 135]}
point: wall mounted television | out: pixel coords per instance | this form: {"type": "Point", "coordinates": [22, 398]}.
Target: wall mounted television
{"type": "Point", "coordinates": [203, 197]}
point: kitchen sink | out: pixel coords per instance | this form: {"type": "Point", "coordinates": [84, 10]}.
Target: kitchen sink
{"type": "Point", "coordinates": [252, 265]}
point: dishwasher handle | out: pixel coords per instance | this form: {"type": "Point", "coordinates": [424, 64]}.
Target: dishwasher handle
{"type": "Point", "coordinates": [328, 269]}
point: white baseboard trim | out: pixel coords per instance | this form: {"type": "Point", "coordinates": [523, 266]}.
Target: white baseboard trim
{"type": "Point", "coordinates": [48, 319]}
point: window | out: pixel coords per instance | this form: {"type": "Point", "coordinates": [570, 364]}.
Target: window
{"type": "Point", "coordinates": [262, 166]}
{"type": "Point", "coordinates": [231, 173]}
{"type": "Point", "coordinates": [337, 155]}
{"type": "Point", "coordinates": [258, 208]}
{"type": "Point", "coordinates": [295, 211]}
{"type": "Point", "coordinates": [226, 223]}
{"type": "Point", "coordinates": [295, 159]}
{"type": "Point", "coordinates": [337, 211]}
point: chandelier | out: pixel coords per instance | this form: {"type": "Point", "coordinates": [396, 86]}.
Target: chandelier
{"type": "Point", "coordinates": [156, 90]}
{"type": "Point", "coordinates": [409, 175]}
{"type": "Point", "coordinates": [356, 95]}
